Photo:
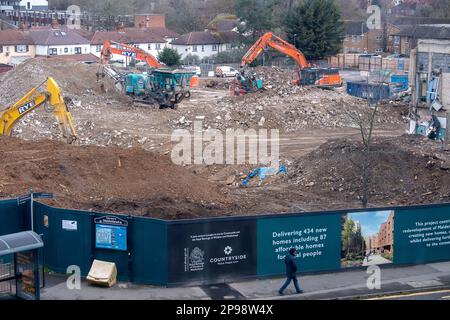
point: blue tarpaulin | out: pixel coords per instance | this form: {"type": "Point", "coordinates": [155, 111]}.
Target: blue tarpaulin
{"type": "Point", "coordinates": [263, 172]}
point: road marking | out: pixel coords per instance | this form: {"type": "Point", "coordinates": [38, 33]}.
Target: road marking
{"type": "Point", "coordinates": [410, 295]}
{"type": "Point", "coordinates": [424, 284]}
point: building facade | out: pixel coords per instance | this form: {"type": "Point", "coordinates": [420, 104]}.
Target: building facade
{"type": "Point", "coordinates": [206, 44]}
{"type": "Point", "coordinates": [34, 5]}
{"type": "Point", "coordinates": [59, 42]}
{"type": "Point", "coordinates": [8, 6]}
{"type": "Point", "coordinates": [15, 47]}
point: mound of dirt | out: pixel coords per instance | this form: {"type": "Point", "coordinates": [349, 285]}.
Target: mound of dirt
{"type": "Point", "coordinates": [76, 79]}
{"type": "Point", "coordinates": [131, 181]}
{"type": "Point", "coordinates": [406, 170]}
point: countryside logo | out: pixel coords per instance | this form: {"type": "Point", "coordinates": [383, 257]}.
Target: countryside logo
{"type": "Point", "coordinates": [228, 250]}
{"type": "Point", "coordinates": [228, 258]}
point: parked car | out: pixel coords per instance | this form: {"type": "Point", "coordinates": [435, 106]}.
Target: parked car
{"type": "Point", "coordinates": [196, 69]}
{"type": "Point", "coordinates": [225, 71]}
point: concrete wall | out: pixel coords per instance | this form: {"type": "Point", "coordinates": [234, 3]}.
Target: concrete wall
{"type": "Point", "coordinates": [9, 52]}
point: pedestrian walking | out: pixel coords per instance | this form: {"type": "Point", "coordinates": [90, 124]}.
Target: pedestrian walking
{"type": "Point", "coordinates": [291, 269]}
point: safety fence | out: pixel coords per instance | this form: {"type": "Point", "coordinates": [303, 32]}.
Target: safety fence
{"type": "Point", "coordinates": [152, 251]}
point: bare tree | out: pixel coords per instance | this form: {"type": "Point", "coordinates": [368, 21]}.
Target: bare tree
{"type": "Point", "coordinates": [365, 121]}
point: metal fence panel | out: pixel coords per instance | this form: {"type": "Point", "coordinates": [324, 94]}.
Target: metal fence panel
{"type": "Point", "coordinates": [13, 217]}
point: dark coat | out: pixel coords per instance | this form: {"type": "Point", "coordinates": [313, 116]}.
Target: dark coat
{"type": "Point", "coordinates": [291, 265]}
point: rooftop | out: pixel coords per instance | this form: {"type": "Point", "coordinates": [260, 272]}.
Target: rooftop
{"type": "Point", "coordinates": [207, 37]}
{"type": "Point", "coordinates": [15, 37]}
{"type": "Point", "coordinates": [129, 35]}
{"type": "Point", "coordinates": [426, 31]}
{"type": "Point", "coordinates": [57, 37]}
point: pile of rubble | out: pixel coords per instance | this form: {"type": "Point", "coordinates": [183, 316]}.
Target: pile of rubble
{"type": "Point", "coordinates": [406, 170]}
{"type": "Point", "coordinates": [302, 108]}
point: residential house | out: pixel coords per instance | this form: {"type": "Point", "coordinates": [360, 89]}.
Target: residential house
{"type": "Point", "coordinates": [52, 42]}
{"type": "Point", "coordinates": [16, 46]}
{"type": "Point", "coordinates": [155, 23]}
{"type": "Point", "coordinates": [8, 6]}
{"type": "Point", "coordinates": [223, 23]}
{"type": "Point", "coordinates": [359, 39]}
{"type": "Point", "coordinates": [34, 5]}
{"type": "Point", "coordinates": [407, 37]}
{"type": "Point", "coordinates": [206, 43]}
{"type": "Point", "coordinates": [138, 37]}
{"type": "Point", "coordinates": [403, 9]}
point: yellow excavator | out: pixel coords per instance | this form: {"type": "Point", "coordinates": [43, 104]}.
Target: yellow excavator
{"type": "Point", "coordinates": [33, 99]}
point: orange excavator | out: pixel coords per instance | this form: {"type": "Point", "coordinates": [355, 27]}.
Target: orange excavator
{"type": "Point", "coordinates": [305, 74]}
{"type": "Point", "coordinates": [110, 47]}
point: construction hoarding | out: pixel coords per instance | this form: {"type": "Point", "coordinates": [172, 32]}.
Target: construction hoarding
{"type": "Point", "coordinates": [152, 251]}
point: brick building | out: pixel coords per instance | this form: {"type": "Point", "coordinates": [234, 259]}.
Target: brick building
{"type": "Point", "coordinates": [360, 39]}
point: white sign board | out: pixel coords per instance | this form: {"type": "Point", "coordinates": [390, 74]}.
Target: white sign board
{"type": "Point", "coordinates": [69, 225]}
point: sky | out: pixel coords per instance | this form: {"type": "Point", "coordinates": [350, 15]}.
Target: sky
{"type": "Point", "coordinates": [370, 221]}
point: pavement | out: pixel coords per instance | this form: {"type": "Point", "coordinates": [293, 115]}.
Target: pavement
{"type": "Point", "coordinates": [348, 284]}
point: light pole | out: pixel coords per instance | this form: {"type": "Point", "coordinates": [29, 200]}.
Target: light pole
{"type": "Point", "coordinates": [295, 40]}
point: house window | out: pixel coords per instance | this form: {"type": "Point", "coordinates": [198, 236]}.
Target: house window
{"type": "Point", "coordinates": [53, 51]}
{"type": "Point", "coordinates": [77, 50]}
{"type": "Point", "coordinates": [378, 50]}
{"type": "Point", "coordinates": [21, 48]}
{"type": "Point", "coordinates": [214, 47]}
{"type": "Point", "coordinates": [66, 50]}
{"type": "Point", "coordinates": [1, 49]}
{"type": "Point", "coordinates": [98, 48]}
{"type": "Point", "coordinates": [203, 48]}
{"type": "Point", "coordinates": [379, 38]}
{"type": "Point", "coordinates": [397, 40]}
{"type": "Point", "coordinates": [149, 46]}
{"type": "Point", "coordinates": [406, 40]}
{"type": "Point", "coordinates": [194, 48]}
{"type": "Point", "coordinates": [158, 46]}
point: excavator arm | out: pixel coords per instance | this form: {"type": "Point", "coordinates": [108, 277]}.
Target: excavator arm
{"type": "Point", "coordinates": [110, 48]}
{"type": "Point", "coordinates": [271, 40]}
{"type": "Point", "coordinates": [33, 100]}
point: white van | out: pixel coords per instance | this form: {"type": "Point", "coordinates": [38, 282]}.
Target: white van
{"type": "Point", "coordinates": [196, 69]}
{"type": "Point", "coordinates": [225, 71]}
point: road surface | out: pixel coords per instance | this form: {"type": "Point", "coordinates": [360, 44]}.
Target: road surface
{"type": "Point", "coordinates": [443, 295]}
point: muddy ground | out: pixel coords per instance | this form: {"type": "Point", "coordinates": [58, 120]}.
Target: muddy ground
{"type": "Point", "coordinates": [122, 163]}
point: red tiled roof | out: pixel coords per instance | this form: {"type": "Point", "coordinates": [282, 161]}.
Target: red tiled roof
{"type": "Point", "coordinates": [57, 37]}
{"type": "Point", "coordinates": [207, 37]}
{"type": "Point", "coordinates": [15, 37]}
{"type": "Point", "coordinates": [163, 32]}
{"type": "Point", "coordinates": [129, 35]}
